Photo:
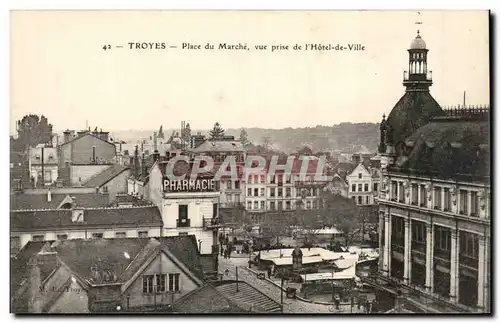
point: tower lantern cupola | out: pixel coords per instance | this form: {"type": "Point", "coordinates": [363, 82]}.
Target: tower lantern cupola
{"type": "Point", "coordinates": [417, 78]}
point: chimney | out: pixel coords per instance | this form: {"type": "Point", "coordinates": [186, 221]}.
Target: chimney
{"type": "Point", "coordinates": [156, 156]}
{"type": "Point", "coordinates": [67, 136]}
{"type": "Point", "coordinates": [49, 196]}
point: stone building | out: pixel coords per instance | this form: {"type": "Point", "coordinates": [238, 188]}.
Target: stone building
{"type": "Point", "coordinates": [435, 207]}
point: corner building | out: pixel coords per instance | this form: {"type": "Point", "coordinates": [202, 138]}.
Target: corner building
{"type": "Point", "coordinates": [435, 205]}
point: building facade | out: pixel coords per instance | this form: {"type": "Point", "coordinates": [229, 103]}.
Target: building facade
{"type": "Point", "coordinates": [434, 203]}
{"type": "Point", "coordinates": [186, 206]}
{"type": "Point", "coordinates": [43, 165]}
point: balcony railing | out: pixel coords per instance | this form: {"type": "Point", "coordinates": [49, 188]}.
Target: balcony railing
{"type": "Point", "coordinates": [183, 223]}
{"type": "Point", "coordinates": [209, 223]}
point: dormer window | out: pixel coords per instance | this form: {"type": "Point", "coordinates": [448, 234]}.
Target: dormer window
{"type": "Point", "coordinates": [51, 156]}
{"type": "Point", "coordinates": [37, 157]}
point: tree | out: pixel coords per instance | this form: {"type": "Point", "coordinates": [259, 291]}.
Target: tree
{"type": "Point", "coordinates": [33, 130]}
{"type": "Point", "coordinates": [266, 142]}
{"type": "Point", "coordinates": [160, 133]}
{"type": "Point", "coordinates": [244, 138]}
{"type": "Point", "coordinates": [217, 132]}
{"type": "Point", "coordinates": [342, 213]}
{"type": "Point", "coordinates": [186, 133]}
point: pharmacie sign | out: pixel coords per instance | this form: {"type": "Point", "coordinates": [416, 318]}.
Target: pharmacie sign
{"type": "Point", "coordinates": [187, 185]}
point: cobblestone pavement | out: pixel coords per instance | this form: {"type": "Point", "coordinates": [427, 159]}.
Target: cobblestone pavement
{"type": "Point", "coordinates": [273, 291]}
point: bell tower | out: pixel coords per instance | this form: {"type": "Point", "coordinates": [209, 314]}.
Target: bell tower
{"type": "Point", "coordinates": [417, 78]}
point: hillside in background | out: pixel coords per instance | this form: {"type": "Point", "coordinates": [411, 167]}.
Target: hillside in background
{"type": "Point", "coordinates": [339, 136]}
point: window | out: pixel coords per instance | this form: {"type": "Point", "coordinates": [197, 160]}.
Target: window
{"type": "Point", "coordinates": [255, 192]}
{"type": "Point", "coordinates": [183, 212]}
{"type": "Point", "coordinates": [229, 198]}
{"type": "Point", "coordinates": [401, 192]}
{"type": "Point", "coordinates": [215, 210]}
{"type": "Point", "coordinates": [173, 282]}
{"type": "Point", "coordinates": [360, 175]}
{"type": "Point", "coordinates": [256, 179]}
{"type": "Point", "coordinates": [62, 237]}
{"type": "Point", "coordinates": [464, 207]}
{"type": "Point", "coordinates": [367, 200]}
{"type": "Point", "coordinates": [469, 246]}
{"type": "Point", "coordinates": [250, 179]}
{"type": "Point", "coordinates": [288, 205]}
{"type": "Point", "coordinates": [314, 204]}
{"type": "Point", "coordinates": [273, 192]}
{"type": "Point", "coordinates": [237, 185]}
{"type": "Point", "coordinates": [366, 187]}
{"type": "Point", "coordinates": [308, 204]}
{"type": "Point", "coordinates": [262, 191]}
{"type": "Point", "coordinates": [280, 205]}
{"type": "Point", "coordinates": [360, 200]}
{"type": "Point", "coordinates": [105, 189]}
{"type": "Point", "coordinates": [414, 194]}
{"type": "Point", "coordinates": [360, 187]}
{"type": "Point", "coordinates": [97, 235]}
{"type": "Point", "coordinates": [120, 234]}
{"type": "Point", "coordinates": [280, 192]}
{"type": "Point", "coordinates": [147, 284]}
{"type": "Point", "coordinates": [273, 179]}
{"type": "Point", "coordinates": [437, 198]}
{"type": "Point", "coordinates": [353, 188]}
{"type": "Point", "coordinates": [423, 196]}
{"type": "Point", "coordinates": [161, 283]}
{"type": "Point", "coordinates": [272, 206]}
{"type": "Point", "coordinates": [447, 200]}
{"type": "Point", "coordinates": [143, 234]}
{"type": "Point", "coordinates": [394, 191]}
{"type": "Point", "coordinates": [263, 205]}
{"type": "Point", "coordinates": [249, 205]}
{"type": "Point", "coordinates": [228, 185]}
{"type": "Point", "coordinates": [473, 204]}
{"type": "Point", "coordinates": [375, 187]}
{"type": "Point", "coordinates": [418, 232]}
{"type": "Point", "coordinates": [255, 205]}
{"type": "Point", "coordinates": [262, 179]}
{"type": "Point", "coordinates": [443, 238]}
{"type": "Point", "coordinates": [288, 192]}
{"type": "Point", "coordinates": [280, 179]}
{"type": "Point", "coordinates": [354, 199]}
{"type": "Point", "coordinates": [249, 192]}
{"type": "Point", "coordinates": [288, 178]}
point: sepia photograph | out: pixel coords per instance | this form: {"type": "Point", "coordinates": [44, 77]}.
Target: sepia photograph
{"type": "Point", "coordinates": [250, 162]}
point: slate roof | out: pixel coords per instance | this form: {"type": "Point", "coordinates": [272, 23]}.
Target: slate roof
{"type": "Point", "coordinates": [105, 176]}
{"type": "Point", "coordinates": [104, 217]}
{"type": "Point", "coordinates": [185, 248]}
{"type": "Point", "coordinates": [448, 149]}
{"type": "Point", "coordinates": [83, 135]}
{"type": "Point", "coordinates": [39, 201]}
{"type": "Point", "coordinates": [107, 254]}
{"type": "Point", "coordinates": [205, 299]}
{"type": "Point", "coordinates": [412, 111]}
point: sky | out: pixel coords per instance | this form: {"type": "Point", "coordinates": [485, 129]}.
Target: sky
{"type": "Point", "coordinates": [59, 68]}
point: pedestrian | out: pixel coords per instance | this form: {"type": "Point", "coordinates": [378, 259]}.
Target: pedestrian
{"type": "Point", "coordinates": [225, 253]}
{"type": "Point", "coordinates": [269, 270]}
{"type": "Point", "coordinates": [337, 302]}
{"type": "Point", "coordinates": [352, 302]}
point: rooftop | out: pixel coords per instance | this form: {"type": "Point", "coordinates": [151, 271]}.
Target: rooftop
{"type": "Point", "coordinates": [105, 176]}
{"type": "Point", "coordinates": [34, 220]}
{"type": "Point", "coordinates": [41, 201]}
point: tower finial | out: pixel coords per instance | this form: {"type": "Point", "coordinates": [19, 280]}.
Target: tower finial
{"type": "Point", "coordinates": [418, 32]}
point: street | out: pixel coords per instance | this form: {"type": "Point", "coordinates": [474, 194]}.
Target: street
{"type": "Point", "coordinates": [273, 291]}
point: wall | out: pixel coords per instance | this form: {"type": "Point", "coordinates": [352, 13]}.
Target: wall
{"type": "Point", "coordinates": [206, 237]}
{"type": "Point", "coordinates": [73, 300]}
{"type": "Point", "coordinates": [137, 298]}
{"type": "Point", "coordinates": [25, 237]}
{"type": "Point", "coordinates": [84, 172]}
{"type": "Point", "coordinates": [82, 151]}
{"type": "Point", "coordinates": [59, 190]}
{"type": "Point", "coordinates": [116, 185]}
{"type": "Point", "coordinates": [156, 188]}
